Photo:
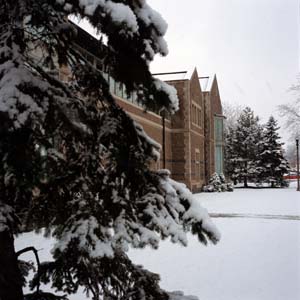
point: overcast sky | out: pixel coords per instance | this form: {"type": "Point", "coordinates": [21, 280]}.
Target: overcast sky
{"type": "Point", "coordinates": [252, 46]}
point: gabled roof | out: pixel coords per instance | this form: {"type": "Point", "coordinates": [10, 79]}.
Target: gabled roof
{"type": "Point", "coordinates": [206, 82]}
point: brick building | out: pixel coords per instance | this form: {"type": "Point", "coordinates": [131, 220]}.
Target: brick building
{"type": "Point", "coordinates": [192, 138]}
{"type": "Point", "coordinates": [197, 142]}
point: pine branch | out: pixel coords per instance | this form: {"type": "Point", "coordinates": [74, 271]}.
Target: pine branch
{"type": "Point", "coordinates": [27, 249]}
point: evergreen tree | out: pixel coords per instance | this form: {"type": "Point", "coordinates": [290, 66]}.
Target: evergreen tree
{"type": "Point", "coordinates": [272, 162]}
{"type": "Point", "coordinates": [74, 162]}
{"type": "Point", "coordinates": [230, 157]}
{"type": "Point", "coordinates": [245, 146]}
{"type": "Point", "coordinates": [258, 173]}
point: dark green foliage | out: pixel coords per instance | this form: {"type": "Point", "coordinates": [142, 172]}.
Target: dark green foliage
{"type": "Point", "coordinates": [117, 278]}
{"type": "Point", "coordinates": [25, 267]}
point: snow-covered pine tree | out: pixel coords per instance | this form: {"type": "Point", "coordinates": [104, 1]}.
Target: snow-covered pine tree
{"type": "Point", "coordinates": [74, 162]}
{"type": "Point", "coordinates": [230, 157]}
{"type": "Point", "coordinates": [272, 162]}
{"type": "Point", "coordinates": [257, 174]}
{"type": "Point", "coordinates": [245, 146]}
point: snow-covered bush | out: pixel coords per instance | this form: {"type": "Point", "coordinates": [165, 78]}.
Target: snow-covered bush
{"type": "Point", "coordinates": [217, 183]}
{"type": "Point", "coordinates": [284, 183]}
{"type": "Point", "coordinates": [229, 186]}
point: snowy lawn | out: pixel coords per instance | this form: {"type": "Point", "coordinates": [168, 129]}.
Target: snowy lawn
{"type": "Point", "coordinates": [254, 201]}
{"type": "Point", "coordinates": [256, 259]}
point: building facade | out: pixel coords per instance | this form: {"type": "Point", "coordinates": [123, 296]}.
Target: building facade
{"type": "Point", "coordinates": [192, 138]}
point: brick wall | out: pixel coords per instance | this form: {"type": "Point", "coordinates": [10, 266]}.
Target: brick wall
{"type": "Point", "coordinates": [197, 133]}
{"type": "Point", "coordinates": [153, 126]}
{"type": "Point", "coordinates": [181, 162]}
{"type": "Point", "coordinates": [189, 133]}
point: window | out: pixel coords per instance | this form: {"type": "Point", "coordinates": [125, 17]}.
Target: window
{"type": "Point", "coordinates": [218, 129]}
{"type": "Point", "coordinates": [63, 76]}
{"type": "Point", "coordinates": [196, 115]}
{"type": "Point", "coordinates": [199, 117]}
{"type": "Point", "coordinates": [112, 85]}
{"type": "Point", "coordinates": [126, 95]}
{"type": "Point", "coordinates": [219, 159]}
{"type": "Point", "coordinates": [134, 97]}
{"type": "Point", "coordinates": [105, 76]}
{"type": "Point", "coordinates": [119, 89]}
{"type": "Point", "coordinates": [218, 144]}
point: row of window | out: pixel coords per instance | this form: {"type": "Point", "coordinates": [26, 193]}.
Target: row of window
{"type": "Point", "coordinates": [116, 88]}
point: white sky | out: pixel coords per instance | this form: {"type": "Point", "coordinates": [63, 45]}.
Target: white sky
{"type": "Point", "coordinates": [252, 46]}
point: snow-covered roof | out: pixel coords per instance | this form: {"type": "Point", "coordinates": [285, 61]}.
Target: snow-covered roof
{"type": "Point", "coordinates": [206, 82]}
{"type": "Point", "coordinates": [176, 75]}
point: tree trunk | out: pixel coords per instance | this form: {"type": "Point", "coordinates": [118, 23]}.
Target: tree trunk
{"type": "Point", "coordinates": [10, 276]}
{"type": "Point", "coordinates": [245, 176]}
{"type": "Point", "coordinates": [245, 182]}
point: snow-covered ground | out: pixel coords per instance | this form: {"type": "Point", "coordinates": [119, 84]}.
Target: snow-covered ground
{"type": "Point", "coordinates": [257, 259]}
{"type": "Point", "coordinates": [252, 201]}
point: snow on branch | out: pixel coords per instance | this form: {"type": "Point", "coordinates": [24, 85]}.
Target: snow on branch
{"type": "Point", "coordinates": [15, 82]}
{"type": "Point", "coordinates": [83, 231]}
{"type": "Point", "coordinates": [171, 211]}
{"type": "Point", "coordinates": [177, 193]}
{"type": "Point", "coordinates": [121, 14]}
{"type": "Point", "coordinates": [156, 147]}
{"type": "Point", "coordinates": [171, 92]}
{"type": "Point", "coordinates": [125, 18]}
{"type": "Point", "coordinates": [151, 17]}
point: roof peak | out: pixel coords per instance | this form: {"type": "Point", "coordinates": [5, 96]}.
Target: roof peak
{"type": "Point", "coordinates": [206, 82]}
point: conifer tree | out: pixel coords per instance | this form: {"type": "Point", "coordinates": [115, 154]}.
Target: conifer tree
{"type": "Point", "coordinates": [73, 162]}
{"type": "Point", "coordinates": [231, 162]}
{"type": "Point", "coordinates": [258, 137]}
{"type": "Point", "coordinates": [272, 162]}
{"type": "Point", "coordinates": [245, 146]}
